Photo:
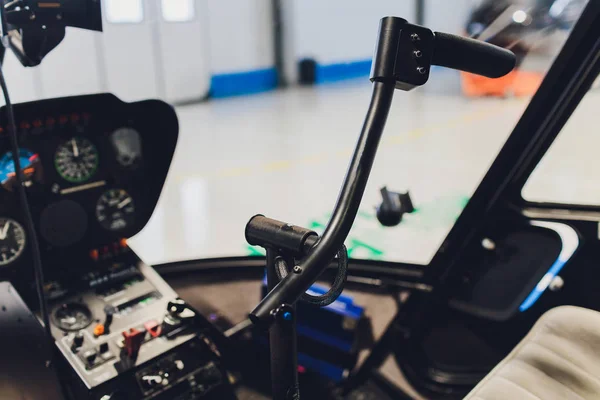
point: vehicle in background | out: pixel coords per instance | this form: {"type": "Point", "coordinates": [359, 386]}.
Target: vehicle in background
{"type": "Point", "coordinates": [531, 29]}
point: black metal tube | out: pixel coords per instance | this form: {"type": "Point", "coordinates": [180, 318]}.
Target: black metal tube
{"type": "Point", "coordinates": [282, 341]}
{"type": "Point", "coordinates": [420, 12]}
{"type": "Point", "coordinates": [279, 41]}
{"type": "Point", "coordinates": [284, 357]}
{"type": "Point", "coordinates": [291, 288]}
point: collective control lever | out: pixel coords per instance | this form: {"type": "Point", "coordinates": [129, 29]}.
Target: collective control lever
{"type": "Point", "coordinates": [109, 311]}
{"type": "Point", "coordinates": [178, 317]}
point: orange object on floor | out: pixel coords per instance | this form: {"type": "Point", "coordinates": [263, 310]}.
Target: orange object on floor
{"type": "Point", "coordinates": [519, 83]}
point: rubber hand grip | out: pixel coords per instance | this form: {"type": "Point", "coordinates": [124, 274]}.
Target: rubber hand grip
{"type": "Point", "coordinates": [472, 55]}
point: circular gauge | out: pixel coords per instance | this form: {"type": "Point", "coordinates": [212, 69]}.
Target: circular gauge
{"type": "Point", "coordinates": [12, 240]}
{"type": "Point", "coordinates": [115, 210]}
{"type": "Point", "coordinates": [72, 317]}
{"type": "Point", "coordinates": [76, 160]}
{"type": "Point", "coordinates": [7, 165]}
{"type": "Point", "coordinates": [127, 145]}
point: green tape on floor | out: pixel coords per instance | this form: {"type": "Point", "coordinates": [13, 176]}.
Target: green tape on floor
{"type": "Point", "coordinates": [365, 215]}
{"type": "Point", "coordinates": [358, 246]}
{"type": "Point", "coordinates": [255, 250]}
{"type": "Point", "coordinates": [316, 226]}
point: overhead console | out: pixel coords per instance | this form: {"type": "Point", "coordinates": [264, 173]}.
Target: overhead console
{"type": "Point", "coordinates": [95, 167]}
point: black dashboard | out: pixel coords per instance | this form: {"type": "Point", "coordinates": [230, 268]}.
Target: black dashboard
{"type": "Point", "coordinates": [94, 169]}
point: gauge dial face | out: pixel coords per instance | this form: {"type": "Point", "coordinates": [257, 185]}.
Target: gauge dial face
{"type": "Point", "coordinates": [7, 166]}
{"type": "Point", "coordinates": [76, 160]}
{"type": "Point", "coordinates": [72, 317]}
{"type": "Point", "coordinates": [115, 210]}
{"type": "Point", "coordinates": [127, 145]}
{"type": "Point", "coordinates": [12, 240]}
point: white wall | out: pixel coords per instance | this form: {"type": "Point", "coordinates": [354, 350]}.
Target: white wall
{"type": "Point", "coordinates": [339, 31]}
{"type": "Point", "coordinates": [150, 59]}
{"type": "Point", "coordinates": [157, 58]}
{"type": "Point", "coordinates": [335, 31]}
{"type": "Point", "coordinates": [23, 83]}
{"type": "Point", "coordinates": [130, 56]}
{"type": "Point", "coordinates": [184, 48]}
{"type": "Point", "coordinates": [72, 67]}
{"type": "Point", "coordinates": [241, 35]}
{"type": "Point", "coordinates": [447, 16]}
{"type": "Point", "coordinates": [175, 61]}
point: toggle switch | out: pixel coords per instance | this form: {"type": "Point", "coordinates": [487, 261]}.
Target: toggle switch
{"type": "Point", "coordinates": [77, 341]}
{"type": "Point", "coordinates": [153, 328]}
{"type": "Point", "coordinates": [90, 357]}
{"type": "Point", "coordinates": [109, 312]}
{"type": "Point", "coordinates": [133, 340]}
{"type": "Point", "coordinates": [103, 348]}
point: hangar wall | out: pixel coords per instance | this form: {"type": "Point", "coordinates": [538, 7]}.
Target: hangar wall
{"type": "Point", "coordinates": [180, 50]}
{"type": "Point", "coordinates": [447, 16]}
{"type": "Point", "coordinates": [339, 35]}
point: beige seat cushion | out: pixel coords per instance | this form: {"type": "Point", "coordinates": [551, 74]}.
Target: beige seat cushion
{"type": "Point", "coordinates": [558, 359]}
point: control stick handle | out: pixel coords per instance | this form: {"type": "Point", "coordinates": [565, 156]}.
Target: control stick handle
{"type": "Point", "coordinates": [471, 55]}
{"type": "Point", "coordinates": [405, 53]}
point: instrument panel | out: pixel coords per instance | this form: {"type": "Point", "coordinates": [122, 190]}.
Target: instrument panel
{"type": "Point", "coordinates": [94, 167]}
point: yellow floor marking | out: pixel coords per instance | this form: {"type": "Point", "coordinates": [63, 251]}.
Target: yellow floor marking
{"type": "Point", "coordinates": [277, 165]}
{"type": "Point", "coordinates": [387, 141]}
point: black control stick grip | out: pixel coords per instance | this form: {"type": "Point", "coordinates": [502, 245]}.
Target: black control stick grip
{"type": "Point", "coordinates": [268, 232]}
{"type": "Point", "coordinates": [405, 53]}
{"type": "Point", "coordinates": [472, 55]}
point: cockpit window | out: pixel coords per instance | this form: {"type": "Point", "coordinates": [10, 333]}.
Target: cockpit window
{"type": "Point", "coordinates": [567, 172]}
{"type": "Point", "coordinates": [288, 156]}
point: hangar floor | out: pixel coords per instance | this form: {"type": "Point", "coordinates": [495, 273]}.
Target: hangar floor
{"type": "Point", "coordinates": [284, 153]}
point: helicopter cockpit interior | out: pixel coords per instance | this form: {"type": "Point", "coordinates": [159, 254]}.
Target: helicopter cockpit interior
{"type": "Point", "coordinates": [180, 222]}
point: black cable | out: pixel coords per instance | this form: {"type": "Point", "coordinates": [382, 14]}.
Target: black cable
{"type": "Point", "coordinates": [28, 220]}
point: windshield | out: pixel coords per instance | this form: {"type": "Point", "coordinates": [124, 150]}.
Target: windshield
{"type": "Point", "coordinates": [245, 148]}
{"type": "Point", "coordinates": [567, 173]}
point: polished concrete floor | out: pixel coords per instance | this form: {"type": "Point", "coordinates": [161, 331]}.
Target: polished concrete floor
{"type": "Point", "coordinates": [284, 154]}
